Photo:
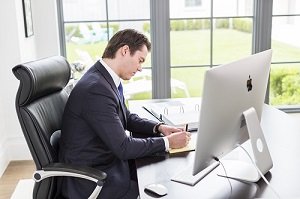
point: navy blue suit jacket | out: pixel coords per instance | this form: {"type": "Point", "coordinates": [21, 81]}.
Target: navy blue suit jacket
{"type": "Point", "coordinates": [93, 134]}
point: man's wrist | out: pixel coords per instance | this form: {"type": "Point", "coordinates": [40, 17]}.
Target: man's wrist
{"type": "Point", "coordinates": [156, 128]}
{"type": "Point", "coordinates": [167, 144]}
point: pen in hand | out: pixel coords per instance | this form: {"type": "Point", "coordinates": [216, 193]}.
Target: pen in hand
{"type": "Point", "coordinates": [188, 134]}
{"type": "Point", "coordinates": [186, 127]}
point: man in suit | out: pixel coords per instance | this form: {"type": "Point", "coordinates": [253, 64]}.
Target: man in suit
{"type": "Point", "coordinates": [96, 117]}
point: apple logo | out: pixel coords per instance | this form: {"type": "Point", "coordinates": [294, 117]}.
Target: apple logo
{"type": "Point", "coordinates": [249, 84]}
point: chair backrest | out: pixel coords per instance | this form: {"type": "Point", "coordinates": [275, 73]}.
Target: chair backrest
{"type": "Point", "coordinates": [40, 102]}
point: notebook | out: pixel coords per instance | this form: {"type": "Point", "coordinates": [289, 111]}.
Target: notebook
{"type": "Point", "coordinates": [177, 112]}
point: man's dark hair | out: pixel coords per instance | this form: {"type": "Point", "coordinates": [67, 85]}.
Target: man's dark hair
{"type": "Point", "coordinates": [129, 37]}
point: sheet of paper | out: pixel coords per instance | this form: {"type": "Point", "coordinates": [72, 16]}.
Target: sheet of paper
{"type": "Point", "coordinates": [187, 148]}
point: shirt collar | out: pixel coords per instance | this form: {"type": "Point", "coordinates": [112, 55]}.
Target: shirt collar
{"type": "Point", "coordinates": [115, 77]}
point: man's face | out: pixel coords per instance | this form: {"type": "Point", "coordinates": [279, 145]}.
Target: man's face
{"type": "Point", "coordinates": [133, 63]}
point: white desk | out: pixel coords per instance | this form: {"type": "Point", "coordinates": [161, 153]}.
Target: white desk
{"type": "Point", "coordinates": [282, 133]}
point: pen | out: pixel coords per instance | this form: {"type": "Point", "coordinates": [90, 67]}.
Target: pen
{"type": "Point", "coordinates": [186, 127]}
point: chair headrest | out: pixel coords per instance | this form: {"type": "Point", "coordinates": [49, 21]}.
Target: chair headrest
{"type": "Point", "coordinates": [41, 77]}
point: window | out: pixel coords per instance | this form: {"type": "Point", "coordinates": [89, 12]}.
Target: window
{"type": "Point", "coordinates": [202, 34]}
{"type": "Point", "coordinates": [285, 69]}
{"type": "Point", "coordinates": [89, 24]}
{"type": "Point", "coordinates": [216, 33]}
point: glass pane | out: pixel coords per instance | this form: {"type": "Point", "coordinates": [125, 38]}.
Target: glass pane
{"type": "Point", "coordinates": [190, 42]}
{"type": "Point", "coordinates": [232, 39]}
{"type": "Point", "coordinates": [285, 84]}
{"type": "Point", "coordinates": [141, 26]}
{"type": "Point", "coordinates": [130, 9]}
{"type": "Point", "coordinates": [85, 43]}
{"type": "Point", "coordinates": [284, 7]}
{"type": "Point", "coordinates": [190, 8]}
{"type": "Point", "coordinates": [286, 39]}
{"type": "Point", "coordinates": [82, 10]}
{"type": "Point", "coordinates": [187, 81]}
{"type": "Point", "coordinates": [232, 8]}
{"type": "Point", "coordinates": [139, 86]}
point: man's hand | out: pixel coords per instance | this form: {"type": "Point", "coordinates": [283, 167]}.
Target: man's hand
{"type": "Point", "coordinates": [179, 139]}
{"type": "Point", "coordinates": [168, 130]}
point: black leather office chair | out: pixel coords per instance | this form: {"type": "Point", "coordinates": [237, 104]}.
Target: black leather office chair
{"type": "Point", "coordinates": [40, 103]}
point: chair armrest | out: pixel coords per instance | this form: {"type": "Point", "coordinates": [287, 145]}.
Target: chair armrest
{"type": "Point", "coordinates": [62, 169]}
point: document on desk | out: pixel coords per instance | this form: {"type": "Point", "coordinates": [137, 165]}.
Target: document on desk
{"type": "Point", "coordinates": [176, 112]}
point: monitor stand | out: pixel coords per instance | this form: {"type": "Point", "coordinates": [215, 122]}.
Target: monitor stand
{"type": "Point", "coordinates": [244, 171]}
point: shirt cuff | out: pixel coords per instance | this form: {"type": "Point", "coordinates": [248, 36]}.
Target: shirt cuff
{"type": "Point", "coordinates": [155, 128]}
{"type": "Point", "coordinates": [167, 145]}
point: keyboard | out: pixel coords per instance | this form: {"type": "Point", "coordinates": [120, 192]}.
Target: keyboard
{"type": "Point", "coordinates": [186, 176]}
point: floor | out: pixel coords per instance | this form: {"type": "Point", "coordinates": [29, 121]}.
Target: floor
{"type": "Point", "coordinates": [23, 189]}
{"type": "Point", "coordinates": [15, 171]}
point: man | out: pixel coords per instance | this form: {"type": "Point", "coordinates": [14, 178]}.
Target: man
{"type": "Point", "coordinates": [95, 120]}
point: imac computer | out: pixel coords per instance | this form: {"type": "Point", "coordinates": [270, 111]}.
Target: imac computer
{"type": "Point", "coordinates": [231, 109]}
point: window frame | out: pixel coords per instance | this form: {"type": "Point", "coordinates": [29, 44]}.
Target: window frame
{"type": "Point", "coordinates": [160, 38]}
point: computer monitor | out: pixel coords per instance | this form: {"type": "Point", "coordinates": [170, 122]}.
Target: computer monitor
{"type": "Point", "coordinates": [232, 93]}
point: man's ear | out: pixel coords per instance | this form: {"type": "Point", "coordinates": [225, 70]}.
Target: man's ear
{"type": "Point", "coordinates": [125, 49]}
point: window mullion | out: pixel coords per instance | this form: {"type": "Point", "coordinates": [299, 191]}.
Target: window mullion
{"type": "Point", "coordinates": [262, 25]}
{"type": "Point", "coordinates": [262, 28]}
{"type": "Point", "coordinates": [160, 53]}
{"type": "Point", "coordinates": [61, 28]}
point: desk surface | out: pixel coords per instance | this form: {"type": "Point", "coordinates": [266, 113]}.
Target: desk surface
{"type": "Point", "coordinates": [282, 133]}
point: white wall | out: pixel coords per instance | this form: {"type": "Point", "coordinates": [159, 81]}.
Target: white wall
{"type": "Point", "coordinates": [15, 49]}
{"type": "Point", "coordinates": [45, 28]}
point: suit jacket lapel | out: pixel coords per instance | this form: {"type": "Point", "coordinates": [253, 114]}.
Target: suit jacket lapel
{"type": "Point", "coordinates": [109, 79]}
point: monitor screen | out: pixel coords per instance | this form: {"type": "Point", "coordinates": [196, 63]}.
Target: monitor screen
{"type": "Point", "coordinates": [229, 90]}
